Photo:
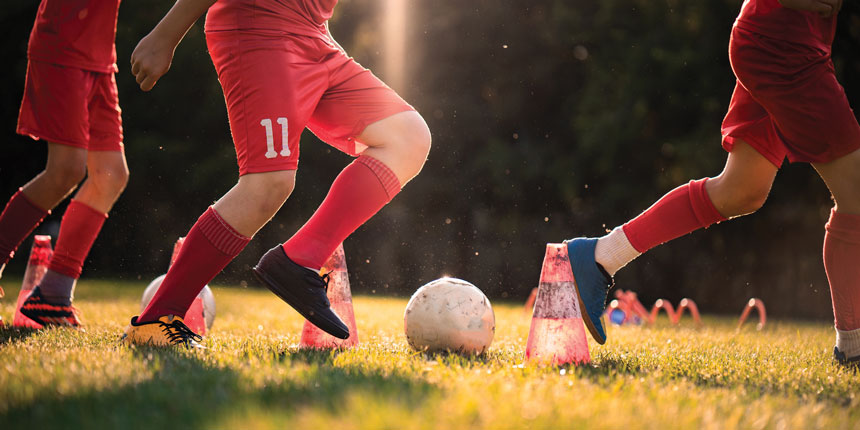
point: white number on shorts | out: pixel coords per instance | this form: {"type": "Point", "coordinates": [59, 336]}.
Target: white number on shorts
{"type": "Point", "coordinates": [270, 138]}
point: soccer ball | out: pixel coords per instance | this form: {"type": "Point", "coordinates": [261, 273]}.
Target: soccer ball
{"type": "Point", "coordinates": [449, 314]}
{"type": "Point", "coordinates": [205, 295]}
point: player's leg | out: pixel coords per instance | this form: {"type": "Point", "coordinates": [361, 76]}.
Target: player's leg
{"type": "Point", "coordinates": [267, 111]}
{"type": "Point", "coordinates": [356, 109]}
{"type": "Point", "coordinates": [51, 302]}
{"type": "Point", "coordinates": [755, 152]}
{"type": "Point", "coordinates": [740, 189]}
{"type": "Point", "coordinates": [54, 109]}
{"type": "Point", "coordinates": [217, 237]}
{"type": "Point", "coordinates": [107, 176]}
{"type": "Point", "coordinates": [817, 125]}
{"type": "Point", "coordinates": [842, 252]}
{"type": "Point", "coordinates": [397, 148]}
{"type": "Point", "coordinates": [64, 170]}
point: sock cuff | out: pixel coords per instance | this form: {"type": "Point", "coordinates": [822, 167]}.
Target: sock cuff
{"type": "Point", "coordinates": [28, 204]}
{"type": "Point", "coordinates": [614, 251]}
{"type": "Point", "coordinates": [78, 205]}
{"type": "Point", "coordinates": [848, 341]}
{"type": "Point", "coordinates": [703, 206]}
{"type": "Point", "coordinates": [382, 172]}
{"type": "Point", "coordinates": [220, 234]}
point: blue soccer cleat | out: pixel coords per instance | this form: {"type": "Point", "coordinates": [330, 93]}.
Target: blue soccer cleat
{"type": "Point", "coordinates": [591, 284]}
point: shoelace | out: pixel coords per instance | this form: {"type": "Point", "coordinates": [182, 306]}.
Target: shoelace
{"type": "Point", "coordinates": [177, 332]}
{"type": "Point", "coordinates": [325, 278]}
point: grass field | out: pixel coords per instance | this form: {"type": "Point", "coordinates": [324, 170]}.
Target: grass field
{"type": "Point", "coordinates": [253, 375]}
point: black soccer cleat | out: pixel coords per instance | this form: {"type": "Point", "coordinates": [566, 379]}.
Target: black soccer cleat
{"type": "Point", "coordinates": [840, 358]}
{"type": "Point", "coordinates": [302, 288]}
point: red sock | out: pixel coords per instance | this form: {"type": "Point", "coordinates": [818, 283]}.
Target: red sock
{"type": "Point", "coordinates": [17, 221]}
{"type": "Point", "coordinates": [361, 190]}
{"type": "Point", "coordinates": [841, 258]}
{"type": "Point", "coordinates": [80, 226]}
{"type": "Point", "coordinates": [681, 211]}
{"type": "Point", "coordinates": [207, 249]}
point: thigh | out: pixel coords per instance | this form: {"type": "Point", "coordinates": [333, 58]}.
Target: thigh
{"type": "Point", "coordinates": [54, 107]}
{"type": "Point", "coordinates": [355, 99]}
{"type": "Point", "coordinates": [747, 121]}
{"type": "Point", "coordinates": [105, 115]}
{"type": "Point", "coordinates": [271, 89]}
{"type": "Point", "coordinates": [797, 86]}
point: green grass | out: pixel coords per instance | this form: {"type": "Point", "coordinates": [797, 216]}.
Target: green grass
{"type": "Point", "coordinates": [254, 376]}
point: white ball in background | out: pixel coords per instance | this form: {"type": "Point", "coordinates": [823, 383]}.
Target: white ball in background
{"type": "Point", "coordinates": [449, 314]}
{"type": "Point", "coordinates": [205, 294]}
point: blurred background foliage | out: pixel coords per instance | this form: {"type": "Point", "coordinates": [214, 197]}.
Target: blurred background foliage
{"type": "Point", "coordinates": [551, 119]}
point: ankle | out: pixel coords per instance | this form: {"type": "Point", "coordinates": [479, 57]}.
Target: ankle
{"type": "Point", "coordinates": [57, 288]}
{"type": "Point", "coordinates": [614, 251]}
{"type": "Point", "coordinates": [848, 342]}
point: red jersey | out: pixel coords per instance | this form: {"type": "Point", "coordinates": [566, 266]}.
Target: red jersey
{"type": "Point", "coordinates": [76, 33]}
{"type": "Point", "coordinates": [768, 18]}
{"type": "Point", "coordinates": [303, 17]}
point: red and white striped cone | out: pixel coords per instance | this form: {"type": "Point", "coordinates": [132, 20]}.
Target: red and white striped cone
{"type": "Point", "coordinates": [40, 257]}
{"type": "Point", "coordinates": [341, 302]}
{"type": "Point", "coordinates": [557, 333]}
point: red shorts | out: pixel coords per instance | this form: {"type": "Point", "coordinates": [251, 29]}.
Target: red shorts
{"type": "Point", "coordinates": [787, 102]}
{"type": "Point", "coordinates": [276, 84]}
{"type": "Point", "coordinates": [71, 106]}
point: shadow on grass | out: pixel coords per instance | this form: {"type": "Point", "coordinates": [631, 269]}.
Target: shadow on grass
{"type": "Point", "coordinates": [190, 392]}
{"type": "Point", "coordinates": [9, 334]}
{"type": "Point", "coordinates": [756, 385]}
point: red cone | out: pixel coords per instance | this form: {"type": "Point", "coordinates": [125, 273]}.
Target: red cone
{"type": "Point", "coordinates": [665, 305]}
{"type": "Point", "coordinates": [557, 334]}
{"type": "Point", "coordinates": [689, 305]}
{"type": "Point", "coordinates": [762, 314]}
{"type": "Point", "coordinates": [341, 302]}
{"type": "Point", "coordinates": [40, 257]}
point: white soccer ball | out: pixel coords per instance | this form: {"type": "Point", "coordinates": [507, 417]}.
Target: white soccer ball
{"type": "Point", "coordinates": [205, 294]}
{"type": "Point", "coordinates": [449, 314]}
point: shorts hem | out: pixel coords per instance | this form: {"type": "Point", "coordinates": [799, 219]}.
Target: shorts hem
{"type": "Point", "coordinates": [826, 158]}
{"type": "Point", "coordinates": [359, 128]}
{"type": "Point", "coordinates": [364, 123]}
{"type": "Point", "coordinates": [267, 169]}
{"type": "Point", "coordinates": [729, 144]}
{"type": "Point", "coordinates": [37, 135]}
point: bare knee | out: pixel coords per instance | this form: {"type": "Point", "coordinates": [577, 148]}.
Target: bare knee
{"type": "Point", "coordinates": [416, 145]}
{"type": "Point", "coordinates": [401, 141]}
{"type": "Point", "coordinates": [109, 179]}
{"type": "Point", "coordinates": [733, 200]}
{"type": "Point", "coordinates": [267, 192]}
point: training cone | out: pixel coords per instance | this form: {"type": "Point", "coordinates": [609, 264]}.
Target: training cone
{"type": "Point", "coordinates": [666, 306]}
{"type": "Point", "coordinates": [341, 302]}
{"type": "Point", "coordinates": [758, 305]}
{"type": "Point", "coordinates": [40, 257]}
{"type": "Point", "coordinates": [557, 334]}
